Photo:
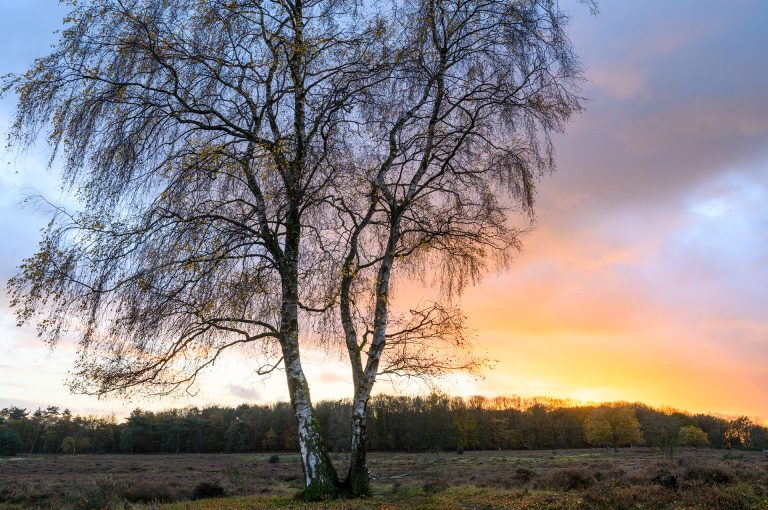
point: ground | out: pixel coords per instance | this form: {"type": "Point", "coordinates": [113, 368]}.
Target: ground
{"type": "Point", "coordinates": [563, 479]}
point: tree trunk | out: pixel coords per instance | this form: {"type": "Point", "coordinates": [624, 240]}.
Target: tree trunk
{"type": "Point", "coordinates": [358, 482]}
{"type": "Point", "coordinates": [320, 478]}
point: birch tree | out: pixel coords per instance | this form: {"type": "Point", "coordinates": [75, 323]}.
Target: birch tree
{"type": "Point", "coordinates": [246, 167]}
{"type": "Point", "coordinates": [197, 137]}
{"type": "Point", "coordinates": [455, 140]}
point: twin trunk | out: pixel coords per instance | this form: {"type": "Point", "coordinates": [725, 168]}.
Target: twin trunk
{"type": "Point", "coordinates": [320, 478]}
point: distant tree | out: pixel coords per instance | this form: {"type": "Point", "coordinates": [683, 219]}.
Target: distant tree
{"type": "Point", "coordinates": [396, 423]}
{"type": "Point", "coordinates": [567, 424]}
{"type": "Point", "coordinates": [714, 426]}
{"type": "Point", "coordinates": [759, 438]}
{"type": "Point", "coordinates": [38, 429]}
{"type": "Point", "coordinates": [14, 413]}
{"type": "Point", "coordinates": [739, 433]}
{"type": "Point", "coordinates": [538, 430]}
{"type": "Point", "coordinates": [270, 440]}
{"type": "Point", "coordinates": [662, 429]}
{"type": "Point", "coordinates": [691, 435]}
{"type": "Point", "coordinates": [466, 430]}
{"type": "Point", "coordinates": [10, 443]}
{"type": "Point", "coordinates": [69, 445]}
{"type": "Point", "coordinates": [83, 444]}
{"type": "Point", "coordinates": [612, 426]}
{"type": "Point", "coordinates": [503, 437]}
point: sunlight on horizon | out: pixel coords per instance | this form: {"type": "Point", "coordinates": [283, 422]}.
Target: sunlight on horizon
{"type": "Point", "coordinates": [645, 278]}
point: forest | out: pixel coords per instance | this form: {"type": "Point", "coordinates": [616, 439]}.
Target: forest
{"type": "Point", "coordinates": [435, 422]}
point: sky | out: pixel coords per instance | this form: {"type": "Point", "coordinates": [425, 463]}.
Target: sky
{"type": "Point", "coordinates": [645, 278]}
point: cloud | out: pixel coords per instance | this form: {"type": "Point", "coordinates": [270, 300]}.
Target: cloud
{"type": "Point", "coordinates": [647, 275]}
{"type": "Point", "coordinates": [20, 402]}
{"type": "Point", "coordinates": [621, 83]}
{"type": "Point", "coordinates": [329, 377]}
{"type": "Point", "coordinates": [643, 303]}
{"type": "Point", "coordinates": [676, 99]}
{"type": "Point", "coordinates": [243, 392]}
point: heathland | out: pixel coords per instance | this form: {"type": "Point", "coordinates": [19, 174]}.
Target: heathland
{"type": "Point", "coordinates": [597, 478]}
{"type": "Point", "coordinates": [435, 452]}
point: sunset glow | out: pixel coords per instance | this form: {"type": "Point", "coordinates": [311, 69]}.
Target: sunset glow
{"type": "Point", "coordinates": [644, 278]}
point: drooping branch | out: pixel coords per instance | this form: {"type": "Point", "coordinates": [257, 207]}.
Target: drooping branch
{"type": "Point", "coordinates": [200, 139]}
{"type": "Point", "coordinates": [454, 143]}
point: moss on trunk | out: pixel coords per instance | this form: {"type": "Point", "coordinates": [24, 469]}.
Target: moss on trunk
{"type": "Point", "coordinates": [358, 481]}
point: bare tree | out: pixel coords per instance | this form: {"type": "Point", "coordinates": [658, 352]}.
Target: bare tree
{"type": "Point", "coordinates": [454, 142]}
{"type": "Point", "coordinates": [198, 137]}
{"type": "Point", "coordinates": [245, 166]}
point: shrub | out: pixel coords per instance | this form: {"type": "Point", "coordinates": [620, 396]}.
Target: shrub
{"type": "Point", "coordinates": [274, 459]}
{"type": "Point", "coordinates": [665, 478]}
{"type": "Point", "coordinates": [571, 479]}
{"type": "Point", "coordinates": [709, 475]}
{"type": "Point", "coordinates": [233, 475]}
{"type": "Point", "coordinates": [207, 490]}
{"type": "Point", "coordinates": [10, 444]}
{"type": "Point", "coordinates": [100, 494]}
{"type": "Point", "coordinates": [12, 491]}
{"type": "Point", "coordinates": [434, 486]}
{"type": "Point", "coordinates": [524, 475]}
{"type": "Point", "coordinates": [149, 492]}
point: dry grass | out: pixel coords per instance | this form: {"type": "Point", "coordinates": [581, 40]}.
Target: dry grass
{"type": "Point", "coordinates": [631, 478]}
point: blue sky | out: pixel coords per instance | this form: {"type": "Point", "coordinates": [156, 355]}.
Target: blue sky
{"type": "Point", "coordinates": [647, 275]}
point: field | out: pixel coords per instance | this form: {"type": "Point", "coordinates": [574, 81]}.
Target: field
{"type": "Point", "coordinates": [629, 478]}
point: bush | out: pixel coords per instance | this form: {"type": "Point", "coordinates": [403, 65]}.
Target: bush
{"type": "Point", "coordinates": [233, 475]}
{"type": "Point", "coordinates": [274, 459]}
{"type": "Point", "coordinates": [524, 475]}
{"type": "Point", "coordinates": [10, 444]}
{"type": "Point", "coordinates": [571, 479]}
{"type": "Point", "coordinates": [206, 490]}
{"type": "Point", "coordinates": [665, 478]}
{"type": "Point", "coordinates": [709, 475]}
{"type": "Point", "coordinates": [13, 491]}
{"type": "Point", "coordinates": [100, 494]}
{"type": "Point", "coordinates": [434, 486]}
{"type": "Point", "coordinates": [149, 493]}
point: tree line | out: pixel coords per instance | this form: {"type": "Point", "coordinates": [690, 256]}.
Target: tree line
{"type": "Point", "coordinates": [436, 422]}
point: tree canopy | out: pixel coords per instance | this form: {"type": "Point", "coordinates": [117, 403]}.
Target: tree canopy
{"type": "Point", "coordinates": [435, 422]}
{"type": "Point", "coordinates": [248, 171]}
{"type": "Point", "coordinates": [612, 426]}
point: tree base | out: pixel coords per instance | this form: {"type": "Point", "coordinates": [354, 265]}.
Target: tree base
{"type": "Point", "coordinates": [357, 483]}
{"type": "Point", "coordinates": [319, 492]}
